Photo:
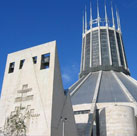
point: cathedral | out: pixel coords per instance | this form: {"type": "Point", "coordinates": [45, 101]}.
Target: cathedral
{"type": "Point", "coordinates": [103, 102]}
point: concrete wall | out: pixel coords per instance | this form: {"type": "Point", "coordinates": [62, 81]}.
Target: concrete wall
{"type": "Point", "coordinates": [42, 100]}
{"type": "Point", "coordinates": [81, 118]}
{"type": "Point", "coordinates": [117, 121]}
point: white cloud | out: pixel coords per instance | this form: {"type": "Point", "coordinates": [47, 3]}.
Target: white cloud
{"type": "Point", "coordinates": [69, 74]}
{"type": "Point", "coordinates": [66, 77]}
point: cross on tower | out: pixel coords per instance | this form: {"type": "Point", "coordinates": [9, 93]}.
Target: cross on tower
{"type": "Point", "coordinates": [23, 91]}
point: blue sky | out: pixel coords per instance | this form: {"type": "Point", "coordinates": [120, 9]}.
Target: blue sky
{"type": "Point", "coordinates": [26, 23]}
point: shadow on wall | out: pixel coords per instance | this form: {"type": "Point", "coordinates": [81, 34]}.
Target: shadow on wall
{"type": "Point", "coordinates": [102, 123]}
{"type": "Point", "coordinates": [81, 128]}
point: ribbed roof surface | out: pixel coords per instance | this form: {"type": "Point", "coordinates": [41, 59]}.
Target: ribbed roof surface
{"type": "Point", "coordinates": [112, 86]}
{"type": "Point", "coordinates": [110, 90]}
{"type": "Point", "coordinates": [85, 94]}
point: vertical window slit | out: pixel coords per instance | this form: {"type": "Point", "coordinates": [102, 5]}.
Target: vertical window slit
{"type": "Point", "coordinates": [45, 61]}
{"type": "Point", "coordinates": [21, 64]}
{"type": "Point", "coordinates": [11, 67]}
{"type": "Point", "coordinates": [34, 59]}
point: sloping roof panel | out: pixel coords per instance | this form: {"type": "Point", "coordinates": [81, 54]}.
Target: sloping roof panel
{"type": "Point", "coordinates": [132, 88]}
{"type": "Point", "coordinates": [110, 90]}
{"type": "Point", "coordinates": [85, 93]}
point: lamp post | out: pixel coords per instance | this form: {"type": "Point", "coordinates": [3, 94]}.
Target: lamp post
{"type": "Point", "coordinates": [63, 125]}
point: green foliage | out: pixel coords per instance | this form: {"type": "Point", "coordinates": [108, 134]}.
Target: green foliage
{"type": "Point", "coordinates": [15, 125]}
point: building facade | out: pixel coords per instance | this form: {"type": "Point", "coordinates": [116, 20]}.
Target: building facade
{"type": "Point", "coordinates": [104, 98]}
{"type": "Point", "coordinates": [103, 102]}
{"type": "Point", "coordinates": [33, 102]}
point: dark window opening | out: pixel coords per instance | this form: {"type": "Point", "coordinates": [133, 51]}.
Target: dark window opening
{"type": "Point", "coordinates": [11, 67]}
{"type": "Point", "coordinates": [34, 60]}
{"type": "Point", "coordinates": [97, 123]}
{"type": "Point", "coordinates": [21, 64]}
{"type": "Point", "coordinates": [45, 60]}
{"type": "Point", "coordinates": [81, 112]}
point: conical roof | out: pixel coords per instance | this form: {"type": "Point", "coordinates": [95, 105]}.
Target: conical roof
{"type": "Point", "coordinates": [112, 87]}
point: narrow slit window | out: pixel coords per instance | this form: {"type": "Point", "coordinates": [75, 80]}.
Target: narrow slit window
{"type": "Point", "coordinates": [45, 61]}
{"type": "Point", "coordinates": [34, 59]}
{"type": "Point", "coordinates": [11, 67]}
{"type": "Point", "coordinates": [21, 63]}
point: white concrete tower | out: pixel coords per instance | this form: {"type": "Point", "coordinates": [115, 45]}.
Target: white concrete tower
{"type": "Point", "coordinates": [33, 102]}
